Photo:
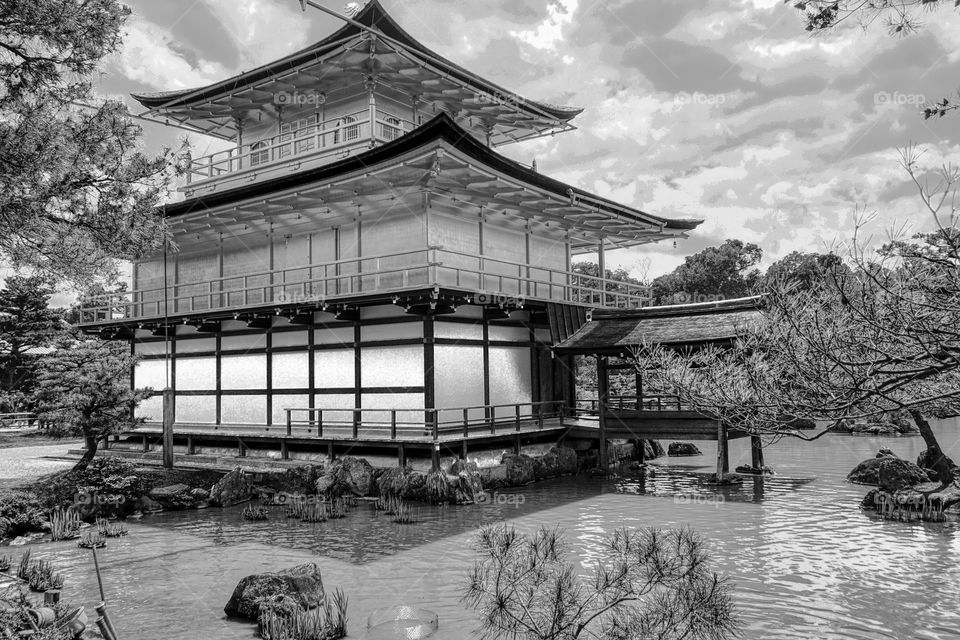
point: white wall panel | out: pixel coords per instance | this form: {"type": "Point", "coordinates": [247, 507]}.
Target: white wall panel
{"type": "Point", "coordinates": [196, 373]}
{"type": "Point", "coordinates": [243, 372]}
{"type": "Point", "coordinates": [334, 368]}
{"type": "Point", "coordinates": [290, 370]}
{"type": "Point", "coordinates": [392, 366]}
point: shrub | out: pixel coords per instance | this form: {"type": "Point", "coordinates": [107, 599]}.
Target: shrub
{"type": "Point", "coordinates": [20, 513]}
{"type": "Point", "coordinates": [107, 487]}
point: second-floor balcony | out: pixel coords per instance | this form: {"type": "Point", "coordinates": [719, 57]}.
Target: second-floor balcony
{"type": "Point", "coordinates": [317, 142]}
{"type": "Point", "coordinates": [314, 285]}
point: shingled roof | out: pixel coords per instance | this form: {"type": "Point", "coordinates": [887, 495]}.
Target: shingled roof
{"type": "Point", "coordinates": [614, 331]}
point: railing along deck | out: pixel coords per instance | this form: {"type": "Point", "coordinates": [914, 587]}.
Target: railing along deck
{"type": "Point", "coordinates": [315, 141]}
{"type": "Point", "coordinates": [422, 424]}
{"type": "Point", "coordinates": [319, 283]}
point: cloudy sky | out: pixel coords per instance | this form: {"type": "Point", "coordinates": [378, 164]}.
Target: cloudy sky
{"type": "Point", "coordinates": [724, 110]}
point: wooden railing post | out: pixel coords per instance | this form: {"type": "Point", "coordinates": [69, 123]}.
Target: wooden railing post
{"type": "Point", "coordinates": [319, 423]}
{"type": "Point", "coordinates": [517, 407]}
{"type": "Point", "coordinates": [434, 424]}
{"type": "Point", "coordinates": [289, 421]}
{"type": "Point", "coordinates": [393, 424]}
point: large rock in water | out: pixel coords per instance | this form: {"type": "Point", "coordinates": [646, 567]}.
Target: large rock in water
{"type": "Point", "coordinates": [403, 482]}
{"type": "Point", "coordinates": [868, 471]}
{"type": "Point", "coordinates": [301, 584]}
{"type": "Point", "coordinates": [520, 469]}
{"type": "Point", "coordinates": [895, 474]}
{"type": "Point", "coordinates": [683, 449]}
{"type": "Point", "coordinates": [347, 475]}
{"type": "Point", "coordinates": [233, 488]}
{"type": "Point", "coordinates": [652, 449]}
{"type": "Point", "coordinates": [888, 472]}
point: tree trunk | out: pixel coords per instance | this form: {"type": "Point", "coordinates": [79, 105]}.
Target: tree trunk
{"type": "Point", "coordinates": [940, 463]}
{"type": "Point", "coordinates": [88, 454]}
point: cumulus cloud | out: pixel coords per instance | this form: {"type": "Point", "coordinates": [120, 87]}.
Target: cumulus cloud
{"type": "Point", "coordinates": [150, 57]}
{"type": "Point", "coordinates": [264, 30]}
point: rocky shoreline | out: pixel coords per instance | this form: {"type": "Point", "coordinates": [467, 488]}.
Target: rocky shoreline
{"type": "Point", "coordinates": [904, 490]}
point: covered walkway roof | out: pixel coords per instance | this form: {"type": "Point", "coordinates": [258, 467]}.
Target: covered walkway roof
{"type": "Point", "coordinates": [615, 331]}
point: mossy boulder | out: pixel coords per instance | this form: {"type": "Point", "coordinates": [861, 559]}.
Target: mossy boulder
{"type": "Point", "coordinates": [520, 469]}
{"type": "Point", "coordinates": [301, 585]}
{"type": "Point", "coordinates": [681, 449]}
{"type": "Point", "coordinates": [233, 488]}
{"type": "Point", "coordinates": [347, 476]}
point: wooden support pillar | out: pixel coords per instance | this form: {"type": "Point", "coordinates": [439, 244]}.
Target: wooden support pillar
{"type": "Point", "coordinates": [603, 395]}
{"type": "Point", "coordinates": [146, 443]}
{"type": "Point", "coordinates": [639, 445]}
{"type": "Point", "coordinates": [284, 450]}
{"type": "Point", "coordinates": [602, 272]}
{"type": "Point", "coordinates": [435, 457]}
{"type": "Point", "coordinates": [241, 448]}
{"type": "Point", "coordinates": [168, 415]}
{"type": "Point", "coordinates": [401, 455]}
{"type": "Point", "coordinates": [756, 452]}
{"type": "Point", "coordinates": [191, 448]}
{"type": "Point", "coordinates": [723, 455]}
{"type": "Point", "coordinates": [463, 450]}
{"type": "Point", "coordinates": [330, 451]}
{"type": "Point", "coordinates": [516, 444]}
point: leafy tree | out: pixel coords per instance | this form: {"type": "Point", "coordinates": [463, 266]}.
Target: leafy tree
{"type": "Point", "coordinates": [75, 193]}
{"type": "Point", "coordinates": [881, 337]}
{"type": "Point", "coordinates": [650, 584]}
{"type": "Point", "coordinates": [899, 16]}
{"type": "Point", "coordinates": [727, 271]}
{"type": "Point", "coordinates": [26, 324]}
{"type": "Point", "coordinates": [84, 389]}
{"type": "Point", "coordinates": [803, 270]}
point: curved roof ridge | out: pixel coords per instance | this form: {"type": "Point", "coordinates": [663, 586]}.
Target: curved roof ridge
{"type": "Point", "coordinates": [372, 15]}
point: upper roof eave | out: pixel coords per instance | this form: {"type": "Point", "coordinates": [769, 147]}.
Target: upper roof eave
{"type": "Point", "coordinates": [372, 15]}
{"type": "Point", "coordinates": [441, 127]}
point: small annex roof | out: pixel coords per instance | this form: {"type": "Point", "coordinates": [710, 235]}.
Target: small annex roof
{"type": "Point", "coordinates": [384, 51]}
{"type": "Point", "coordinates": [615, 331]}
{"type": "Point", "coordinates": [439, 158]}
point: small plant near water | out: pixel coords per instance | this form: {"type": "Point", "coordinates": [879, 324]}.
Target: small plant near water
{"type": "Point", "coordinates": [64, 524]}
{"type": "Point", "coordinates": [40, 575]}
{"type": "Point", "coordinates": [43, 576]}
{"type": "Point", "coordinates": [403, 513]}
{"type": "Point", "coordinates": [255, 513]}
{"type": "Point", "coordinates": [328, 621]}
{"type": "Point", "coordinates": [314, 512]}
{"type": "Point", "coordinates": [4, 564]}
{"type": "Point", "coordinates": [109, 529]}
{"type": "Point", "coordinates": [337, 508]}
{"type": "Point", "coordinates": [92, 540]}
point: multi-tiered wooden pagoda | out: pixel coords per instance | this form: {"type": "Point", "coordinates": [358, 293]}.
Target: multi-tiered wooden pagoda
{"type": "Point", "coordinates": [361, 264]}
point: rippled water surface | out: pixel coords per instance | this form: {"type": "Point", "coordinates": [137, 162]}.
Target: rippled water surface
{"type": "Point", "coordinates": [806, 563]}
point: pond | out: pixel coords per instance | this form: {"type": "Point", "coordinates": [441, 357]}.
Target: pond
{"type": "Point", "coordinates": [805, 561]}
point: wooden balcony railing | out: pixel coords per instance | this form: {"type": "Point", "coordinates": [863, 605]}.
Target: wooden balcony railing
{"type": "Point", "coordinates": [313, 285]}
{"type": "Point", "coordinates": [422, 424]}
{"type": "Point", "coordinates": [329, 138]}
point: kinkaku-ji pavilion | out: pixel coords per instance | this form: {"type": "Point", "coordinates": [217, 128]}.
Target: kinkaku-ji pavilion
{"type": "Point", "coordinates": [360, 267]}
